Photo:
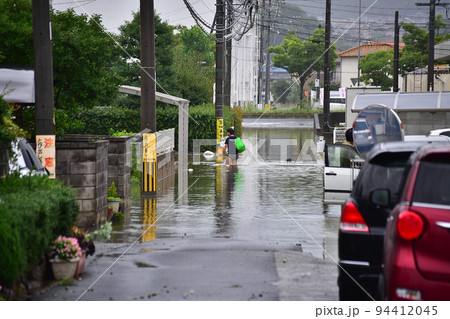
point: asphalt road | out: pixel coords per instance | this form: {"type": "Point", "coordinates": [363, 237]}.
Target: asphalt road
{"type": "Point", "coordinates": [216, 269]}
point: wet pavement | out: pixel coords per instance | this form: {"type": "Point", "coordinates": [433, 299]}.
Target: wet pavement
{"type": "Point", "coordinates": [259, 231]}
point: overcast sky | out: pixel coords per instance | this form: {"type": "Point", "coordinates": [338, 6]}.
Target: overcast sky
{"type": "Point", "coordinates": [115, 12]}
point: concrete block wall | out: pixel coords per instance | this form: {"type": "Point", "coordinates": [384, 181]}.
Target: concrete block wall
{"type": "Point", "coordinates": [119, 164]}
{"type": "Point", "coordinates": [84, 165]}
{"type": "Point", "coordinates": [421, 123]}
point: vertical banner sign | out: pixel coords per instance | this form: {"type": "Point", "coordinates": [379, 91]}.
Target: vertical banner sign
{"type": "Point", "coordinates": [219, 131]}
{"type": "Point", "coordinates": [149, 163]}
{"type": "Point", "coordinates": [45, 150]}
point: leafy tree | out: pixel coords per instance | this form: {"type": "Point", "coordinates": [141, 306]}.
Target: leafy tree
{"type": "Point", "coordinates": [194, 41]}
{"type": "Point", "coordinates": [377, 68]}
{"type": "Point", "coordinates": [280, 90]}
{"type": "Point", "coordinates": [16, 30]}
{"type": "Point", "coordinates": [415, 52]}
{"type": "Point", "coordinates": [301, 58]}
{"type": "Point", "coordinates": [129, 54]}
{"type": "Point", "coordinates": [194, 65]}
{"type": "Point", "coordinates": [82, 53]}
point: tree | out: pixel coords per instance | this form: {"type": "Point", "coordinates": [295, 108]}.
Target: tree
{"type": "Point", "coordinates": [301, 58]}
{"type": "Point", "coordinates": [82, 54]}
{"type": "Point", "coordinates": [280, 90]}
{"type": "Point", "coordinates": [194, 60]}
{"type": "Point", "coordinates": [377, 68]}
{"type": "Point", "coordinates": [194, 41]}
{"type": "Point", "coordinates": [129, 52]}
{"type": "Point", "coordinates": [16, 31]}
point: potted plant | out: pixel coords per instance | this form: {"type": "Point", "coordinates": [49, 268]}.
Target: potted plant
{"type": "Point", "coordinates": [87, 247]}
{"type": "Point", "coordinates": [64, 255]}
{"type": "Point", "coordinates": [113, 200]}
{"type": "Point", "coordinates": [86, 243]}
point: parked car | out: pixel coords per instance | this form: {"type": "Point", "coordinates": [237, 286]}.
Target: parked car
{"type": "Point", "coordinates": [363, 219]}
{"type": "Point", "coordinates": [443, 131]}
{"type": "Point", "coordinates": [342, 165]}
{"type": "Point", "coordinates": [416, 250]}
{"type": "Point", "coordinates": [24, 159]}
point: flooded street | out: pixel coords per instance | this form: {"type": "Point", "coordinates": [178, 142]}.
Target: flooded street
{"type": "Point", "coordinates": [274, 196]}
{"type": "Point", "coordinates": [256, 231]}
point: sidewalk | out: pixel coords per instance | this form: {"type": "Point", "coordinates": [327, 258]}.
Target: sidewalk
{"type": "Point", "coordinates": [200, 269]}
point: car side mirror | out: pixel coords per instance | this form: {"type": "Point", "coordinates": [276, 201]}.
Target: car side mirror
{"type": "Point", "coordinates": [380, 197]}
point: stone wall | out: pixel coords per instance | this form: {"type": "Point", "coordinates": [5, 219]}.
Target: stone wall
{"type": "Point", "coordinates": [421, 123]}
{"type": "Point", "coordinates": [119, 164]}
{"type": "Point", "coordinates": [84, 165]}
{"type": "Point", "coordinates": [91, 163]}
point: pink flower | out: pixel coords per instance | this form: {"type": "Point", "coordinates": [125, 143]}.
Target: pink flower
{"type": "Point", "coordinates": [65, 248]}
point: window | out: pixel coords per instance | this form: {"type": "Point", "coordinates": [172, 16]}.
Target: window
{"type": "Point", "coordinates": [341, 156]}
{"type": "Point", "coordinates": [433, 183]}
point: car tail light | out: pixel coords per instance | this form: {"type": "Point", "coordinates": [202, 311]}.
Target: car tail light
{"type": "Point", "coordinates": [410, 225]}
{"type": "Point", "coordinates": [352, 220]}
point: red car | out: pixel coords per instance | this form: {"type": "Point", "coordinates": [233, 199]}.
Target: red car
{"type": "Point", "coordinates": [417, 239]}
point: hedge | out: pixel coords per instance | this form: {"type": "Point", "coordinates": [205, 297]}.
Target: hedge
{"type": "Point", "coordinates": [34, 210]}
{"type": "Point", "coordinates": [202, 121]}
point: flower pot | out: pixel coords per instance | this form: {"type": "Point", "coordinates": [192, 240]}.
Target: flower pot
{"type": "Point", "coordinates": [64, 268]}
{"type": "Point", "coordinates": [80, 265]}
{"type": "Point", "coordinates": [114, 204]}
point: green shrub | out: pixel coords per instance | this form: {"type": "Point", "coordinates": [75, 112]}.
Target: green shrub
{"type": "Point", "coordinates": [34, 210]}
{"type": "Point", "coordinates": [112, 192]}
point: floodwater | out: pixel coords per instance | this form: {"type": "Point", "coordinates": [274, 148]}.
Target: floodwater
{"type": "Point", "coordinates": [274, 195]}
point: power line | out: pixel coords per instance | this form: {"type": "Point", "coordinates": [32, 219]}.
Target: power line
{"type": "Point", "coordinates": [240, 18]}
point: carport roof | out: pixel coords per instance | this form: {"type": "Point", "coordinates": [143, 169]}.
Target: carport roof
{"type": "Point", "coordinates": [404, 101]}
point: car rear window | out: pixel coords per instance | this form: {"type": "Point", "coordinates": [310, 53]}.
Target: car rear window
{"type": "Point", "coordinates": [433, 183]}
{"type": "Point", "coordinates": [383, 172]}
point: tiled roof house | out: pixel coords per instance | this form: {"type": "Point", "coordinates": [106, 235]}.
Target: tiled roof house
{"type": "Point", "coordinates": [349, 59]}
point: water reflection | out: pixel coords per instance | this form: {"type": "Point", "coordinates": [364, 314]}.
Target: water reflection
{"type": "Point", "coordinates": [269, 199]}
{"type": "Point", "coordinates": [148, 207]}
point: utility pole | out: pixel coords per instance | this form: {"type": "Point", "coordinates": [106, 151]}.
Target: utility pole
{"type": "Point", "coordinates": [43, 83]}
{"type": "Point", "coordinates": [148, 74]}
{"type": "Point", "coordinates": [43, 68]}
{"type": "Point", "coordinates": [359, 42]}
{"type": "Point", "coordinates": [396, 52]}
{"type": "Point", "coordinates": [431, 28]}
{"type": "Point", "coordinates": [326, 75]}
{"type": "Point", "coordinates": [267, 89]}
{"type": "Point", "coordinates": [228, 49]}
{"type": "Point", "coordinates": [261, 54]}
{"type": "Point", "coordinates": [220, 13]}
{"type": "Point", "coordinates": [148, 98]}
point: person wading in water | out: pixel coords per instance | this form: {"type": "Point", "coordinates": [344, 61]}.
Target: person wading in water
{"type": "Point", "coordinates": [230, 146]}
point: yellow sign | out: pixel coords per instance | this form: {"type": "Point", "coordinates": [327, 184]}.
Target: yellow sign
{"type": "Point", "coordinates": [219, 131]}
{"type": "Point", "coordinates": [149, 147]}
{"type": "Point", "coordinates": [149, 160]}
{"type": "Point", "coordinates": [46, 151]}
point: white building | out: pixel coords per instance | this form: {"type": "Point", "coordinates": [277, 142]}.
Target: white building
{"type": "Point", "coordinates": [244, 69]}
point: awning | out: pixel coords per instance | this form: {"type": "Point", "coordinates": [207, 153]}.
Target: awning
{"type": "Point", "coordinates": [404, 101]}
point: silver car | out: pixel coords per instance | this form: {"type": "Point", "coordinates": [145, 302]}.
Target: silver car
{"type": "Point", "coordinates": [24, 159]}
